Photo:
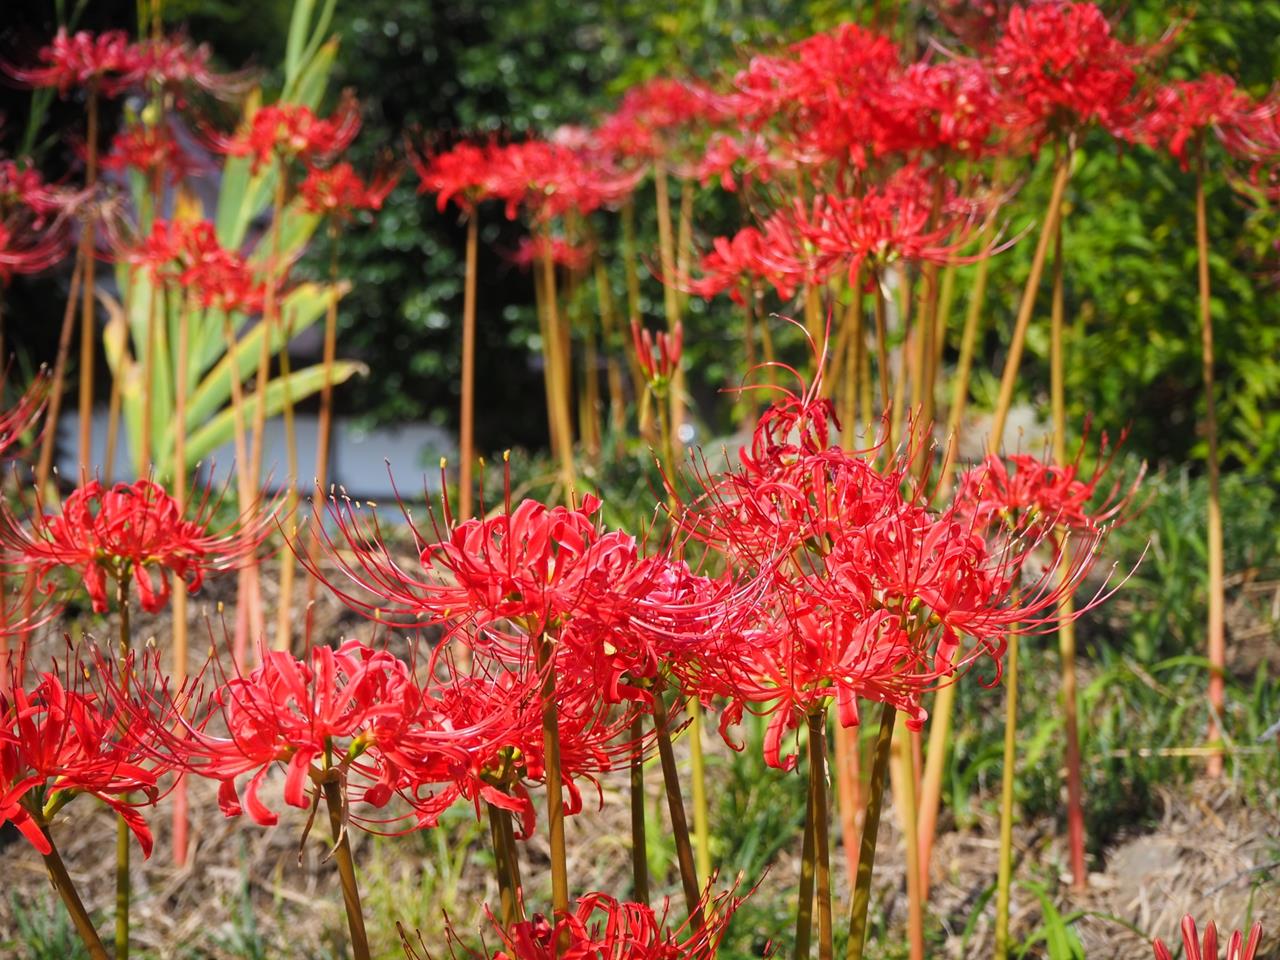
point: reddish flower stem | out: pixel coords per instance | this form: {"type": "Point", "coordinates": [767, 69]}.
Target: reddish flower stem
{"type": "Point", "coordinates": [861, 900]}
{"type": "Point", "coordinates": [821, 837]}
{"type": "Point", "coordinates": [466, 428]}
{"type": "Point", "coordinates": [346, 871]}
{"type": "Point", "coordinates": [1004, 875]}
{"type": "Point", "coordinates": [675, 806]}
{"type": "Point", "coordinates": [555, 787]}
{"type": "Point", "coordinates": [639, 843]}
{"type": "Point", "coordinates": [88, 327]}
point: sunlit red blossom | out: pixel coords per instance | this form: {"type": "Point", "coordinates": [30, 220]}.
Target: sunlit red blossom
{"type": "Point", "coordinates": [1059, 67]}
{"type": "Point", "coordinates": [292, 131]}
{"type": "Point", "coordinates": [345, 714]}
{"type": "Point", "coordinates": [135, 531]}
{"type": "Point", "coordinates": [873, 594]}
{"type": "Point", "coordinates": [742, 159]}
{"type": "Point", "coordinates": [1238, 948]}
{"type": "Point", "coordinates": [339, 191]}
{"type": "Point", "coordinates": [948, 107]}
{"type": "Point", "coordinates": [818, 92]}
{"type": "Point", "coordinates": [912, 217]}
{"type": "Point", "coordinates": [533, 250]}
{"type": "Point", "coordinates": [1183, 111]}
{"type": "Point", "coordinates": [976, 22]}
{"type": "Point", "coordinates": [602, 928]}
{"type": "Point", "coordinates": [56, 742]}
{"type": "Point", "coordinates": [1030, 495]}
{"type": "Point", "coordinates": [151, 151]}
{"type": "Point", "coordinates": [106, 62]}
{"type": "Point", "coordinates": [20, 422]}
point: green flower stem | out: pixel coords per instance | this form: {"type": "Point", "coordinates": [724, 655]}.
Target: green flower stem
{"type": "Point", "coordinates": [870, 828]}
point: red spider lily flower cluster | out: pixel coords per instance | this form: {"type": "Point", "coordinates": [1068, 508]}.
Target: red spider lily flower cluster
{"type": "Point", "coordinates": [187, 253]}
{"type": "Point", "coordinates": [110, 64]}
{"type": "Point", "coordinates": [602, 928]}
{"type": "Point", "coordinates": [1059, 66]}
{"type": "Point", "coordinates": [653, 117]}
{"type": "Point", "coordinates": [1183, 111]}
{"type": "Point", "coordinates": [131, 531]}
{"type": "Point", "coordinates": [1237, 947]}
{"type": "Point", "coordinates": [460, 175]}
{"type": "Point", "coordinates": [1026, 494]}
{"type": "Point", "coordinates": [877, 596]}
{"type": "Point", "coordinates": [533, 250]}
{"type": "Point", "coordinates": [57, 741]}
{"type": "Point", "coordinates": [34, 222]}
{"type": "Point", "coordinates": [151, 151]}
{"type": "Point", "coordinates": [734, 160]}
{"type": "Point", "coordinates": [339, 191]}
{"type": "Point", "coordinates": [292, 131]}
{"type": "Point", "coordinates": [659, 357]}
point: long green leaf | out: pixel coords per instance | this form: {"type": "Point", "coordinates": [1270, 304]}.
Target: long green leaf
{"type": "Point", "coordinates": [301, 384]}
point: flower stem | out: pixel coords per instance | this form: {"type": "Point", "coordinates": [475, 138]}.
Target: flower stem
{"type": "Point", "coordinates": [44, 466]}
{"type": "Point", "coordinates": [71, 900]}
{"type": "Point", "coordinates": [1217, 602]}
{"type": "Point", "coordinates": [502, 866]}
{"type": "Point", "coordinates": [1004, 877]}
{"type": "Point", "coordinates": [639, 843]}
{"type": "Point", "coordinates": [555, 791]}
{"type": "Point", "coordinates": [1027, 305]}
{"type": "Point", "coordinates": [123, 889]}
{"type": "Point", "coordinates": [1066, 622]}
{"type": "Point", "coordinates": [870, 828]}
{"type": "Point", "coordinates": [804, 905]}
{"type": "Point", "coordinates": [466, 426]}
{"type": "Point", "coordinates": [346, 872]}
{"type": "Point", "coordinates": [88, 327]}
{"type": "Point", "coordinates": [675, 806]}
{"type": "Point", "coordinates": [882, 349]}
{"type": "Point", "coordinates": [821, 837]}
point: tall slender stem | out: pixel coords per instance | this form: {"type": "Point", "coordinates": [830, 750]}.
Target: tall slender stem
{"type": "Point", "coordinates": [243, 488]}
{"type": "Point", "coordinates": [346, 871]}
{"type": "Point", "coordinates": [1027, 305]}
{"type": "Point", "coordinates": [861, 899]}
{"type": "Point", "coordinates": [557, 371]}
{"type": "Point", "coordinates": [821, 833]}
{"type": "Point", "coordinates": [1004, 876]}
{"type": "Point", "coordinates": [882, 350]}
{"type": "Point", "coordinates": [555, 790]}
{"type": "Point", "coordinates": [1066, 622]}
{"type": "Point", "coordinates": [71, 900]}
{"type": "Point", "coordinates": [466, 426]}
{"type": "Point", "coordinates": [639, 842]}
{"type": "Point", "coordinates": [88, 325]}
{"type": "Point", "coordinates": [808, 873]}
{"type": "Point", "coordinates": [288, 559]}
{"type": "Point", "coordinates": [180, 587]}
{"type": "Point", "coordinates": [123, 889]}
{"type": "Point", "coordinates": [49, 442]}
{"type": "Point", "coordinates": [675, 807]}
{"type": "Point", "coordinates": [502, 866]}
{"type": "Point", "coordinates": [1217, 589]}
{"type": "Point", "coordinates": [903, 774]}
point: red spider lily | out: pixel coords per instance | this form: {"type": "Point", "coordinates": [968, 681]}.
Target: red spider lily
{"type": "Point", "coordinates": [549, 179]}
{"type": "Point", "coordinates": [602, 928]}
{"type": "Point", "coordinates": [1059, 67]}
{"type": "Point", "coordinates": [741, 159]}
{"type": "Point", "coordinates": [659, 357]}
{"type": "Point", "coordinates": [1182, 111]}
{"type": "Point", "coordinates": [19, 422]}
{"type": "Point", "coordinates": [876, 592]}
{"type": "Point", "coordinates": [106, 62]}
{"type": "Point", "coordinates": [653, 117]}
{"type": "Point", "coordinates": [1028, 495]}
{"type": "Point", "coordinates": [736, 264]}
{"type": "Point", "coordinates": [57, 742]}
{"type": "Point", "coordinates": [24, 251]}
{"type": "Point", "coordinates": [901, 220]}
{"type": "Point", "coordinates": [461, 174]}
{"type": "Point", "coordinates": [819, 93]}
{"type": "Point", "coordinates": [188, 253]}
{"type": "Point", "coordinates": [531, 251]}
{"type": "Point", "coordinates": [293, 132]}
{"type": "Point", "coordinates": [23, 189]}
{"type": "Point", "coordinates": [134, 531]}
{"type": "Point", "coordinates": [174, 64]}
{"type": "Point", "coordinates": [1237, 947]}
{"type": "Point", "coordinates": [338, 191]}
{"type": "Point", "coordinates": [947, 107]}
{"type": "Point", "coordinates": [150, 150]}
